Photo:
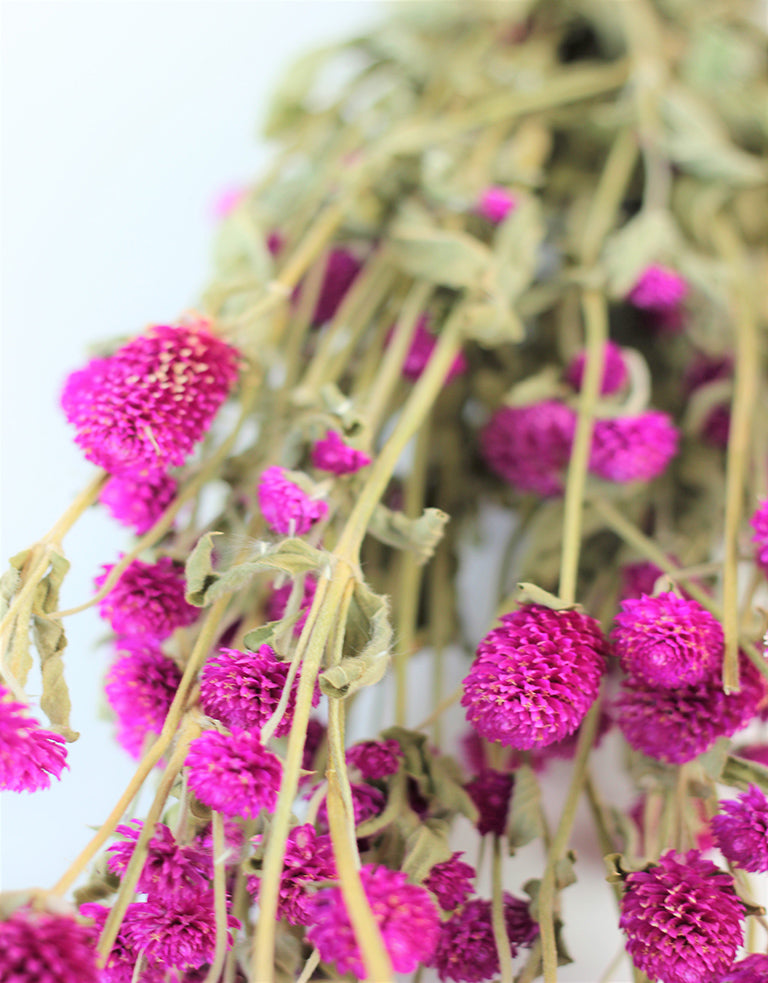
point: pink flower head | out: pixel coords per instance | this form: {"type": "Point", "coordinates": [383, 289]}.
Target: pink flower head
{"type": "Point", "coordinates": [423, 344]}
{"type": "Point", "coordinates": [668, 641]}
{"type": "Point", "coordinates": [615, 372]}
{"type": "Point", "coordinates": [140, 687]}
{"type": "Point", "coordinates": [234, 773]}
{"type": "Point", "coordinates": [308, 859]}
{"type": "Point", "coordinates": [278, 603]}
{"type": "Point", "coordinates": [753, 969]}
{"type": "Point", "coordinates": [340, 272]}
{"type": "Point", "coordinates": [405, 913]}
{"type": "Point", "coordinates": [138, 499]}
{"type": "Point", "coordinates": [659, 289]}
{"type": "Point", "coordinates": [170, 868]}
{"type": "Point", "coordinates": [37, 947]}
{"type": "Point", "coordinates": [332, 454]}
{"type": "Point", "coordinates": [759, 522]}
{"type": "Point", "coordinates": [147, 600]}
{"type": "Point", "coordinates": [149, 404]}
{"type": "Point", "coordinates": [243, 689]}
{"type": "Point", "coordinates": [121, 964]}
{"type": "Point", "coordinates": [179, 932]}
{"type": "Point", "coordinates": [741, 830]}
{"type": "Point", "coordinates": [676, 725]}
{"type": "Point", "coordinates": [375, 759]}
{"type": "Point", "coordinates": [466, 949]}
{"type": "Point", "coordinates": [535, 677]}
{"type": "Point", "coordinates": [491, 791]}
{"type": "Point", "coordinates": [495, 203]}
{"type": "Point", "coordinates": [683, 919]}
{"type": "Point", "coordinates": [288, 510]}
{"type": "Point", "coordinates": [451, 882]}
{"type": "Point", "coordinates": [29, 755]}
{"type": "Point", "coordinates": [754, 752]}
{"type": "Point", "coordinates": [530, 446]}
{"type": "Point", "coordinates": [633, 448]}
{"type": "Point", "coordinates": [639, 578]}
{"type": "Point", "coordinates": [367, 802]}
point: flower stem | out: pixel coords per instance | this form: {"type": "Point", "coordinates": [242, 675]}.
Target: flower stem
{"type": "Point", "coordinates": [497, 915]}
{"type": "Point", "coordinates": [219, 898]}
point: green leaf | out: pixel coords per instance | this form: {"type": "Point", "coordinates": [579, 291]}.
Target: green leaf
{"type": "Point", "coordinates": [449, 259]}
{"type": "Point", "coordinates": [740, 773]}
{"type": "Point", "coordinates": [525, 823]}
{"type": "Point", "coordinates": [11, 581]}
{"type": "Point", "coordinates": [713, 761]}
{"type": "Point", "coordinates": [652, 236]}
{"type": "Point", "coordinates": [516, 248]}
{"type": "Point", "coordinates": [265, 634]}
{"type": "Point", "coordinates": [287, 104]}
{"type": "Point", "coordinates": [51, 642]}
{"type": "Point", "coordinates": [420, 535]}
{"type": "Point", "coordinates": [491, 322]}
{"type": "Point", "coordinates": [351, 675]}
{"type": "Point", "coordinates": [531, 594]}
{"type": "Point", "coordinates": [367, 644]}
{"type": "Point", "coordinates": [426, 846]}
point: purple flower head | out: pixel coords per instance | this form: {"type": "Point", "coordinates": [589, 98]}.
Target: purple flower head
{"type": "Point", "coordinates": [529, 446]}
{"type": "Point", "coordinates": [451, 882]}
{"type": "Point", "coordinates": [615, 372]}
{"type": "Point", "coordinates": [495, 203]}
{"type": "Point", "coordinates": [148, 599]}
{"type": "Point", "coordinates": [315, 736]}
{"type": "Point", "coordinates": [759, 522]}
{"type": "Point", "coordinates": [367, 802]}
{"type": "Point", "coordinates": [242, 689]}
{"type": "Point", "coordinates": [633, 448]}
{"type": "Point", "coordinates": [170, 868]}
{"type": "Point", "coordinates": [491, 791]}
{"type": "Point", "coordinates": [308, 859]}
{"type": "Point", "coordinates": [466, 949]}
{"type": "Point", "coordinates": [287, 509]}
{"type": "Point", "coordinates": [706, 368]}
{"type": "Point", "coordinates": [754, 752]}
{"type": "Point", "coordinates": [639, 578]}
{"type": "Point", "coordinates": [140, 687]}
{"type": "Point", "coordinates": [332, 454]}
{"type": "Point", "coordinates": [375, 759]}
{"type": "Point", "coordinates": [234, 773]}
{"type": "Point", "coordinates": [179, 932]}
{"type": "Point", "coordinates": [676, 725]}
{"type": "Point", "coordinates": [340, 273]}
{"type": "Point", "coordinates": [753, 969]}
{"type": "Point", "coordinates": [138, 499]}
{"type": "Point", "coordinates": [668, 641]}
{"type": "Point", "coordinates": [405, 913]}
{"type": "Point", "coordinates": [149, 404]}
{"type": "Point", "coordinates": [535, 677]}
{"type": "Point", "coordinates": [659, 289]}
{"type": "Point", "coordinates": [278, 603]}
{"type": "Point", "coordinates": [683, 919]}
{"type": "Point", "coordinates": [741, 830]}
{"type": "Point", "coordinates": [37, 947]}
{"type": "Point", "coordinates": [123, 956]}
{"type": "Point", "coordinates": [423, 344]}
{"type": "Point", "coordinates": [29, 755]}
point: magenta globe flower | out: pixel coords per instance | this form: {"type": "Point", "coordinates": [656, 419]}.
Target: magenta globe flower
{"type": "Point", "coordinates": [147, 600]}
{"type": "Point", "coordinates": [37, 947]}
{"type": "Point", "coordinates": [29, 755]}
{"type": "Point", "coordinates": [633, 448]}
{"type": "Point", "coordinates": [741, 830]}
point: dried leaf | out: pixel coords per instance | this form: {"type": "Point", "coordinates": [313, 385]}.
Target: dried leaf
{"type": "Point", "coordinates": [11, 580]}
{"type": "Point", "coordinates": [287, 105]}
{"type": "Point", "coordinates": [426, 846]}
{"type": "Point", "coordinates": [450, 259]}
{"type": "Point", "coordinates": [367, 643]}
{"type": "Point", "coordinates": [420, 536]}
{"type": "Point", "coordinates": [531, 594]}
{"type": "Point", "coordinates": [652, 236]}
{"type": "Point", "coordinates": [740, 773]}
{"type": "Point", "coordinates": [524, 823]}
{"type": "Point", "coordinates": [265, 634]}
{"type": "Point", "coordinates": [351, 675]}
{"type": "Point", "coordinates": [51, 642]}
{"type": "Point", "coordinates": [491, 322]}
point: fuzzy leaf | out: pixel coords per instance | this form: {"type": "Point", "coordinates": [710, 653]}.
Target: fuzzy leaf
{"type": "Point", "coordinates": [491, 322]}
{"type": "Point", "coordinates": [713, 761]}
{"type": "Point", "coordinates": [198, 570]}
{"type": "Point", "coordinates": [11, 581]}
{"type": "Point", "coordinates": [420, 535]}
{"type": "Point", "coordinates": [351, 675]}
{"type": "Point", "coordinates": [531, 594]}
{"type": "Point", "coordinates": [650, 237]}
{"type": "Point", "coordinates": [426, 846]}
{"type": "Point", "coordinates": [367, 642]}
{"type": "Point", "coordinates": [740, 773]}
{"type": "Point", "coordinates": [287, 105]}
{"type": "Point", "coordinates": [524, 823]}
{"type": "Point", "coordinates": [51, 642]}
{"type": "Point", "coordinates": [516, 248]}
{"type": "Point", "coordinates": [265, 634]}
{"type": "Point", "coordinates": [449, 259]}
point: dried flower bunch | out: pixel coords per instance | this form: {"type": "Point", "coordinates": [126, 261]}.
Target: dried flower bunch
{"type": "Point", "coordinates": [514, 258]}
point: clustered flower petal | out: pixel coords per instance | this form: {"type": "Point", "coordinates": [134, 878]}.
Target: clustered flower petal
{"type": "Point", "coordinates": [121, 963]}
{"type": "Point", "coordinates": [148, 599]}
{"type": "Point", "coordinates": [639, 578]}
{"type": "Point", "coordinates": [243, 689]}
{"type": "Point", "coordinates": [495, 203]}
{"type": "Point", "coordinates": [491, 791]}
{"type": "Point", "coordinates": [149, 404]}
{"type": "Point", "coordinates": [340, 272]}
{"type": "Point", "coordinates": [451, 882]}
{"type": "Point", "coordinates": [759, 523]}
{"type": "Point", "coordinates": [29, 755]}
{"type": "Point", "coordinates": [277, 603]}
{"type": "Point", "coordinates": [37, 947]}
{"type": "Point", "coordinates": [633, 448]}
{"type": "Point", "coordinates": [308, 860]}
{"type": "Point", "coordinates": [375, 759]}
{"type": "Point", "coordinates": [466, 949]}
{"type": "Point", "coordinates": [676, 725]}
{"type": "Point", "coordinates": [753, 969]}
{"type": "Point", "coordinates": [535, 677]}
{"type": "Point", "coordinates": [658, 289]}
{"type": "Point", "coordinates": [529, 446]}
{"type": "Point", "coordinates": [615, 372]}
{"type": "Point", "coordinates": [405, 913]}
{"type": "Point", "coordinates": [332, 454]}
{"type": "Point", "coordinates": [140, 687]}
{"type": "Point", "coordinates": [741, 830]}
{"type": "Point", "coordinates": [170, 868]}
{"type": "Point", "coordinates": [667, 640]}
{"type": "Point", "coordinates": [234, 773]}
{"type": "Point", "coordinates": [423, 345]}
{"type": "Point", "coordinates": [683, 919]}
{"type": "Point", "coordinates": [138, 499]}
{"type": "Point", "coordinates": [288, 510]}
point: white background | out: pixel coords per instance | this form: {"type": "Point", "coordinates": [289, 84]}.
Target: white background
{"type": "Point", "coordinates": [121, 124]}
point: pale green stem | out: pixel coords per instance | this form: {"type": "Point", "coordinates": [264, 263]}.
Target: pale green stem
{"type": "Point", "coordinates": [219, 898]}
{"type": "Point", "coordinates": [500, 936]}
{"type": "Point", "coordinates": [309, 967]}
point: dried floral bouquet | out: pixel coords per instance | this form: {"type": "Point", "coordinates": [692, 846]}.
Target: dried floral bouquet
{"type": "Point", "coordinates": [514, 255]}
